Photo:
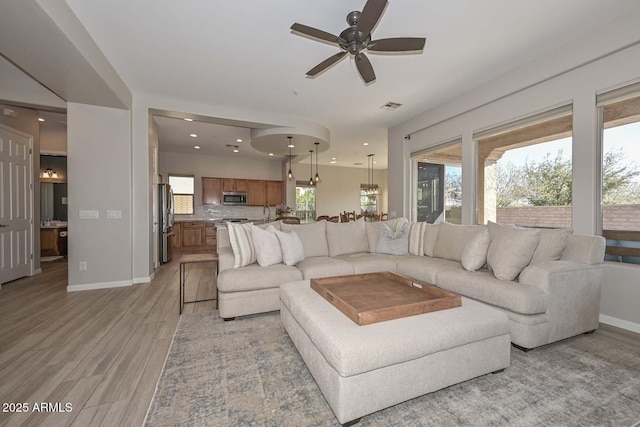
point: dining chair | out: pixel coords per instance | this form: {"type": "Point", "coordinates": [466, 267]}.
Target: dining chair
{"type": "Point", "coordinates": [289, 219]}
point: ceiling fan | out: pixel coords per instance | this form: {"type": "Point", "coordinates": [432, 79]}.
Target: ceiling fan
{"type": "Point", "coordinates": [355, 39]}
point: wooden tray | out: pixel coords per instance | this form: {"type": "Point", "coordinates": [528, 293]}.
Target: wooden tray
{"type": "Point", "coordinates": [376, 297]}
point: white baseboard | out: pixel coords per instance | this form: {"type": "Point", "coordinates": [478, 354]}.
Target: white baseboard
{"type": "Point", "coordinates": [104, 285]}
{"type": "Point", "coordinates": [36, 271]}
{"type": "Point", "coordinates": [620, 323]}
{"type": "Point", "coordinates": [148, 279]}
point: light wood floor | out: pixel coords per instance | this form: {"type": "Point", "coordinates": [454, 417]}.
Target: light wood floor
{"type": "Point", "coordinates": [101, 351]}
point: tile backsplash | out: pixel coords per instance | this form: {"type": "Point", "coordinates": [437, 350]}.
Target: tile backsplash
{"type": "Point", "coordinates": [219, 212]}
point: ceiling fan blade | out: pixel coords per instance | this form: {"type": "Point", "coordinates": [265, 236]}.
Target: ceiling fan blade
{"type": "Point", "coordinates": [326, 64]}
{"type": "Point", "coordinates": [398, 44]}
{"type": "Point", "coordinates": [370, 16]}
{"type": "Point", "coordinates": [316, 33]}
{"type": "Point", "coordinates": [365, 68]}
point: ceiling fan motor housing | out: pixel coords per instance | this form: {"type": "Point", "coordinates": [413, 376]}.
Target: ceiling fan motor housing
{"type": "Point", "coordinates": [353, 41]}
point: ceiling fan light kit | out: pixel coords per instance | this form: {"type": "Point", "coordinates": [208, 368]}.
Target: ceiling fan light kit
{"type": "Point", "coordinates": [357, 38]}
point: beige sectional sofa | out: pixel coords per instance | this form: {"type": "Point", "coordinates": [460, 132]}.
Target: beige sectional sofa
{"type": "Point", "coordinates": [546, 281]}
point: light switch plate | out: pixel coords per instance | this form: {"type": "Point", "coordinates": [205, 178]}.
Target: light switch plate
{"type": "Point", "coordinates": [84, 214]}
{"type": "Point", "coordinates": [114, 214]}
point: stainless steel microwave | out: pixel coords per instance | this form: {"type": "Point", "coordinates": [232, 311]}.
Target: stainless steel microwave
{"type": "Point", "coordinates": [235, 198]}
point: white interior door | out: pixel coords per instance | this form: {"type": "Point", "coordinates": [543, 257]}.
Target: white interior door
{"type": "Point", "coordinates": [15, 205]}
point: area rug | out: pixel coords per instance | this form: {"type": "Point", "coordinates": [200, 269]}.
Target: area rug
{"type": "Point", "coordinates": [248, 372]}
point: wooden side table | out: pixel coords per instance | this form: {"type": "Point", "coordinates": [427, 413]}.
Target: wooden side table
{"type": "Point", "coordinates": [192, 259]}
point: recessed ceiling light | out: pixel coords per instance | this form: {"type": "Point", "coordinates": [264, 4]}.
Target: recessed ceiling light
{"type": "Point", "coordinates": [187, 120]}
{"type": "Point", "coordinates": [197, 147]}
{"type": "Point", "coordinates": [271, 154]}
{"type": "Point", "coordinates": [238, 140]}
{"type": "Point", "coordinates": [291, 146]}
{"type": "Point", "coordinates": [365, 143]}
{"type": "Point", "coordinates": [333, 158]}
{"type": "Point", "coordinates": [333, 161]}
{"type": "Point", "coordinates": [40, 119]}
{"type": "Point", "coordinates": [235, 150]}
{"type": "Point", "coordinates": [193, 135]}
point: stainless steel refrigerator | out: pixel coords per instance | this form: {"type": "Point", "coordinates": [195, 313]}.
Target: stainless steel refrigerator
{"type": "Point", "coordinates": [165, 222]}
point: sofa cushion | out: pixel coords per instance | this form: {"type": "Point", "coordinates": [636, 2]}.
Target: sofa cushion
{"type": "Point", "coordinates": [370, 263]}
{"type": "Point", "coordinates": [552, 243]}
{"type": "Point", "coordinates": [483, 286]}
{"type": "Point", "coordinates": [253, 277]}
{"type": "Point", "coordinates": [452, 239]}
{"type": "Point", "coordinates": [316, 267]}
{"type": "Point", "coordinates": [430, 238]}
{"type": "Point", "coordinates": [313, 237]}
{"type": "Point", "coordinates": [374, 228]}
{"type": "Point", "coordinates": [292, 249]}
{"type": "Point", "coordinates": [347, 237]}
{"type": "Point", "coordinates": [241, 243]}
{"type": "Point", "coordinates": [393, 242]}
{"type": "Point", "coordinates": [267, 246]}
{"type": "Point", "coordinates": [511, 249]}
{"type": "Point", "coordinates": [423, 268]}
{"type": "Point", "coordinates": [474, 255]}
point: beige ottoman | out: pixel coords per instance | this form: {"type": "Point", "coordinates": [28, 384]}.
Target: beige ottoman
{"type": "Point", "coordinates": [363, 369]}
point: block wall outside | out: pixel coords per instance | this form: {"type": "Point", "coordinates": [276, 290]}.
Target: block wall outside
{"type": "Point", "coordinates": [618, 217]}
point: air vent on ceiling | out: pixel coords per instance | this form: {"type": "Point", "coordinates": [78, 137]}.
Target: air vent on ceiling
{"type": "Point", "coordinates": [391, 106]}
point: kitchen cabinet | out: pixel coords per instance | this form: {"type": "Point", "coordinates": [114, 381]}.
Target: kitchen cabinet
{"type": "Point", "coordinates": [210, 234]}
{"type": "Point", "coordinates": [212, 191]}
{"type": "Point", "coordinates": [275, 193]}
{"type": "Point", "coordinates": [256, 193]}
{"type": "Point", "coordinates": [176, 239]}
{"type": "Point", "coordinates": [232, 184]}
{"type": "Point", "coordinates": [192, 233]}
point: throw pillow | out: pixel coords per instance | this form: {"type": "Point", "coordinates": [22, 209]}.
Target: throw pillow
{"type": "Point", "coordinates": [511, 249]}
{"type": "Point", "coordinates": [452, 239]}
{"type": "Point", "coordinates": [393, 242]}
{"type": "Point", "coordinates": [241, 244]}
{"type": "Point", "coordinates": [416, 238]}
{"type": "Point", "coordinates": [345, 238]}
{"type": "Point", "coordinates": [266, 245]}
{"type": "Point", "coordinates": [430, 238]}
{"type": "Point", "coordinates": [474, 255]}
{"type": "Point", "coordinates": [551, 246]}
{"type": "Point", "coordinates": [313, 237]}
{"type": "Point", "coordinates": [374, 229]}
{"type": "Point", "coordinates": [292, 249]}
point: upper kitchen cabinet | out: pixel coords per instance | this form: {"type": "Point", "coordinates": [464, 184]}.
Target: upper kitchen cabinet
{"type": "Point", "coordinates": [256, 193]}
{"type": "Point", "coordinates": [230, 184]}
{"type": "Point", "coordinates": [212, 191]}
{"type": "Point", "coordinates": [275, 193]}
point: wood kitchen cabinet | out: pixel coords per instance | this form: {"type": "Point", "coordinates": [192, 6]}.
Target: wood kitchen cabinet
{"type": "Point", "coordinates": [176, 239]}
{"type": "Point", "coordinates": [274, 193]}
{"type": "Point", "coordinates": [256, 193]}
{"type": "Point", "coordinates": [212, 191]}
{"type": "Point", "coordinates": [192, 233]}
{"type": "Point", "coordinates": [232, 184]}
{"type": "Point", "coordinates": [210, 234]}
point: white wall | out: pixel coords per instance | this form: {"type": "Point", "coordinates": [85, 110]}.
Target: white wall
{"type": "Point", "coordinates": [339, 190]}
{"type": "Point", "coordinates": [53, 140]}
{"type": "Point", "coordinates": [99, 168]}
{"type": "Point", "coordinates": [599, 64]}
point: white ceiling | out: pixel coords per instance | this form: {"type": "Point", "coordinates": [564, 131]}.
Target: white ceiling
{"type": "Point", "coordinates": [242, 54]}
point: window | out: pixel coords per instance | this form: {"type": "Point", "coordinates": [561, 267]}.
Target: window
{"type": "Point", "coordinates": [306, 202]}
{"type": "Point", "coordinates": [525, 171]}
{"type": "Point", "coordinates": [438, 190]}
{"type": "Point", "coordinates": [183, 189]}
{"type": "Point", "coordinates": [621, 172]}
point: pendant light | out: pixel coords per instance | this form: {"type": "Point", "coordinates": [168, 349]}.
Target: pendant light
{"type": "Point", "coordinates": [290, 174]}
{"type": "Point", "coordinates": [317, 176]}
{"type": "Point", "coordinates": [311, 167]}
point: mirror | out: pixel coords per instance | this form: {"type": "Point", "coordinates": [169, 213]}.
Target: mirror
{"type": "Point", "coordinates": [53, 201]}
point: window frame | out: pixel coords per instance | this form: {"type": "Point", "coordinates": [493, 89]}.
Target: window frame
{"type": "Point", "coordinates": [190, 195]}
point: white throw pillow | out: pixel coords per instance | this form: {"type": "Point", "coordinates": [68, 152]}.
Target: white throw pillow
{"type": "Point", "coordinates": [393, 242]}
{"type": "Point", "coordinates": [551, 246]}
{"type": "Point", "coordinates": [345, 238]}
{"type": "Point", "coordinates": [416, 237]}
{"type": "Point", "coordinates": [452, 239]}
{"type": "Point", "coordinates": [292, 249]}
{"type": "Point", "coordinates": [430, 238]}
{"type": "Point", "coordinates": [474, 255]}
{"type": "Point", "coordinates": [511, 249]}
{"type": "Point", "coordinates": [266, 245]}
{"type": "Point", "coordinates": [374, 228]}
{"type": "Point", "coordinates": [313, 237]}
{"type": "Point", "coordinates": [241, 244]}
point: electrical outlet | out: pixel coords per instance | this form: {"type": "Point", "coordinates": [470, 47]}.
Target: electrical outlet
{"type": "Point", "coordinates": [83, 266]}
